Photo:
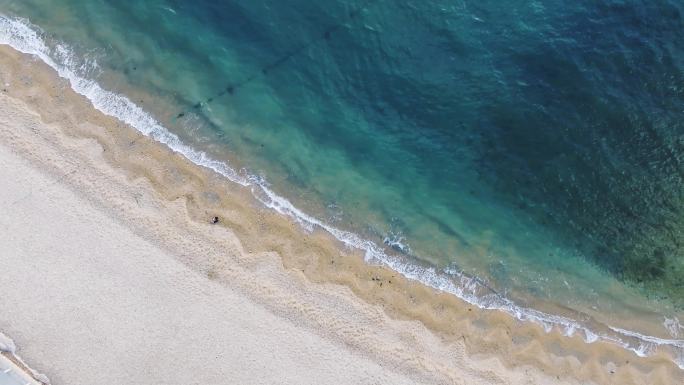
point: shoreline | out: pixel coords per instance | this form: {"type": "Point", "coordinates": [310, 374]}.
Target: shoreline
{"type": "Point", "coordinates": [91, 302]}
{"type": "Point", "coordinates": [477, 333]}
{"type": "Point", "coordinates": [643, 339]}
{"type": "Point", "coordinates": [13, 367]}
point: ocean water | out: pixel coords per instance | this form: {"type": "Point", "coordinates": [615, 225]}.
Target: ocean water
{"type": "Point", "coordinates": [526, 155]}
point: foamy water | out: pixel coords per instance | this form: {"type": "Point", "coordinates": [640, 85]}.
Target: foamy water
{"type": "Point", "coordinates": [7, 345]}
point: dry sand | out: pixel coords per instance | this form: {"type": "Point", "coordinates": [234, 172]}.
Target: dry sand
{"type": "Point", "coordinates": [90, 302]}
{"type": "Point", "coordinates": [112, 274]}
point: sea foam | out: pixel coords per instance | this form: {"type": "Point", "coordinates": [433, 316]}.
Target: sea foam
{"type": "Point", "coordinates": [21, 35]}
{"type": "Point", "coordinates": [7, 345]}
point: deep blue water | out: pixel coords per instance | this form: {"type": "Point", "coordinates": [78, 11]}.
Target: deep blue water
{"type": "Point", "coordinates": [537, 145]}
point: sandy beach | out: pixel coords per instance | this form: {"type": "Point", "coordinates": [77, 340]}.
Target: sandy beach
{"type": "Point", "coordinates": [113, 273]}
{"type": "Point", "coordinates": [107, 306]}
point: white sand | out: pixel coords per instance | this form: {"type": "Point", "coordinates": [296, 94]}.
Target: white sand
{"type": "Point", "coordinates": [93, 303]}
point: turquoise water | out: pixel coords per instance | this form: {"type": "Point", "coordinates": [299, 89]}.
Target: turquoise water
{"type": "Point", "coordinates": [536, 146]}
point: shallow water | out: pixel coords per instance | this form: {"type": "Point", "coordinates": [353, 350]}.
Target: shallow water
{"type": "Point", "coordinates": [536, 145]}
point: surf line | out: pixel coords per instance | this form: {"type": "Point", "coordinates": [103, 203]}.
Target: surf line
{"type": "Point", "coordinates": [231, 88]}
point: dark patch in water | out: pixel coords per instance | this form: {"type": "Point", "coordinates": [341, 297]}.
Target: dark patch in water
{"type": "Point", "coordinates": [605, 163]}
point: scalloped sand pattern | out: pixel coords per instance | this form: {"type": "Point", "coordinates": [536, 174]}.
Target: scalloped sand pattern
{"type": "Point", "coordinates": [309, 278]}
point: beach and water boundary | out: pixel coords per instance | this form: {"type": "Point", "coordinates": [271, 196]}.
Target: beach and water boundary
{"type": "Point", "coordinates": [22, 37]}
{"type": "Point", "coordinates": [124, 110]}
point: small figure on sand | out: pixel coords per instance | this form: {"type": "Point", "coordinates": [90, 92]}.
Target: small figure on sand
{"type": "Point", "coordinates": [215, 220]}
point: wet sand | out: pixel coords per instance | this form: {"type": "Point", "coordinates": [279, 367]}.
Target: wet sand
{"type": "Point", "coordinates": [112, 259]}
